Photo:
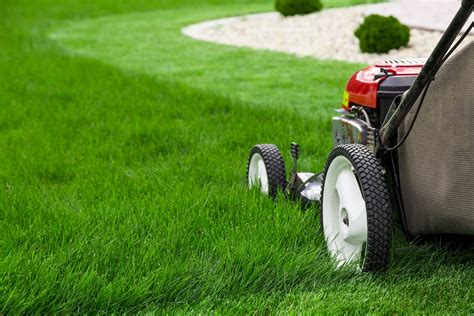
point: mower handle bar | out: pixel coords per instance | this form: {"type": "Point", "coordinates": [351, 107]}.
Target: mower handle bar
{"type": "Point", "coordinates": [432, 65]}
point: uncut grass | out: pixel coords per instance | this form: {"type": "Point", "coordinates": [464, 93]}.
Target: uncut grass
{"type": "Point", "coordinates": [105, 218]}
{"type": "Point", "coordinates": [125, 191]}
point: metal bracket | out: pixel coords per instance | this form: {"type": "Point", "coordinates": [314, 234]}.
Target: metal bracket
{"type": "Point", "coordinates": [303, 186]}
{"type": "Point", "coordinates": [295, 151]}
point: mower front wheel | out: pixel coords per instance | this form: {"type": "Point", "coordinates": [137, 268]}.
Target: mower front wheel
{"type": "Point", "coordinates": [266, 169]}
{"type": "Point", "coordinates": [355, 210]}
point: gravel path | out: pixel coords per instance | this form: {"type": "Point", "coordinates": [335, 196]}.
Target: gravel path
{"type": "Point", "coordinates": [329, 34]}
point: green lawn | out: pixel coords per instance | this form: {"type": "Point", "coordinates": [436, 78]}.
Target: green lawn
{"type": "Point", "coordinates": [123, 149]}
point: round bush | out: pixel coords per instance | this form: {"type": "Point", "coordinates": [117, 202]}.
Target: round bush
{"type": "Point", "coordinates": [380, 34]}
{"type": "Point", "coordinates": [297, 7]}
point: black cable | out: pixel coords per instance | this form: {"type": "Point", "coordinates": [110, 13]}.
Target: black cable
{"type": "Point", "coordinates": [425, 91]}
{"type": "Point", "coordinates": [413, 121]}
{"type": "Point", "coordinates": [458, 43]}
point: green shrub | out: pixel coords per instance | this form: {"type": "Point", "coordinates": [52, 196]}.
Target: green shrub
{"type": "Point", "coordinates": [297, 7]}
{"type": "Point", "coordinates": [380, 34]}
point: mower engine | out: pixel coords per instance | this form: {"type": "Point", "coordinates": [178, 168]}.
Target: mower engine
{"type": "Point", "coordinates": [368, 97]}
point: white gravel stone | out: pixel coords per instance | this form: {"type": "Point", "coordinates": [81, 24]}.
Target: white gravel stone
{"type": "Point", "coordinates": [327, 35]}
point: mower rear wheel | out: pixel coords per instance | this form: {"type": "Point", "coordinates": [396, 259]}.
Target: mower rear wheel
{"type": "Point", "coordinates": [355, 209]}
{"type": "Point", "coordinates": [266, 169]}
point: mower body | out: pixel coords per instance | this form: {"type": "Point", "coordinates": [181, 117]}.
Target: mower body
{"type": "Point", "coordinates": [403, 141]}
{"type": "Point", "coordinates": [436, 163]}
{"type": "Point", "coordinates": [435, 167]}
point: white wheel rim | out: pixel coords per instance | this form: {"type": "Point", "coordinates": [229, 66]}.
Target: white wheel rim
{"type": "Point", "coordinates": [258, 173]}
{"type": "Point", "coordinates": [344, 213]}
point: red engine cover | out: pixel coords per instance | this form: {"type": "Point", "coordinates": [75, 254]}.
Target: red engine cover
{"type": "Point", "coordinates": [363, 86]}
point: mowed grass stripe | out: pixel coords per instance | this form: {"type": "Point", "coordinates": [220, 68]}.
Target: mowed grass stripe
{"type": "Point", "coordinates": [152, 43]}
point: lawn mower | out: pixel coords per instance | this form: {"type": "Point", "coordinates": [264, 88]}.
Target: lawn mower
{"type": "Point", "coordinates": [403, 144]}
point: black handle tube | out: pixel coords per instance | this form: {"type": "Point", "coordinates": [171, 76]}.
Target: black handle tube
{"type": "Point", "coordinates": [390, 128]}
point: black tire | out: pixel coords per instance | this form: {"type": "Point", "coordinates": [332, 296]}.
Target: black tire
{"type": "Point", "coordinates": [373, 187]}
{"type": "Point", "coordinates": [274, 165]}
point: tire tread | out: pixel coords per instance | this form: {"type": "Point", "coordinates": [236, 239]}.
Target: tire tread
{"type": "Point", "coordinates": [376, 195]}
{"type": "Point", "coordinates": [274, 164]}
